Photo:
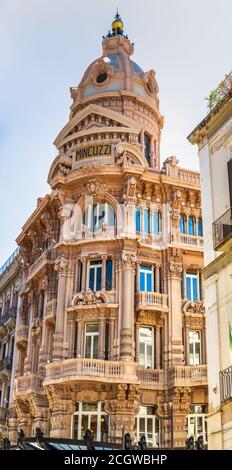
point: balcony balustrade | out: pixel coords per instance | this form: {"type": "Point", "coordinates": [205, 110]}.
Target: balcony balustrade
{"type": "Point", "coordinates": [29, 383]}
{"type": "Point", "coordinates": [151, 301]}
{"type": "Point", "coordinates": [47, 257]}
{"type": "Point", "coordinates": [151, 378]}
{"type": "Point", "coordinates": [222, 229]}
{"type": "Point", "coordinates": [9, 316]}
{"type": "Point", "coordinates": [22, 335]}
{"type": "Point", "coordinates": [192, 241]}
{"type": "Point", "coordinates": [91, 369]}
{"type": "Point", "coordinates": [225, 377]}
{"type": "Point", "coordinates": [187, 375]}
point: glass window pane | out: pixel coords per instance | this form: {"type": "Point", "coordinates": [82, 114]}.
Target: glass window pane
{"type": "Point", "coordinates": [141, 425]}
{"type": "Point", "coordinates": [142, 282]}
{"type": "Point", "coordinates": [95, 347]}
{"type": "Point", "coordinates": [91, 278]}
{"type": "Point", "coordinates": [142, 354]}
{"type": "Point", "coordinates": [93, 426]}
{"type": "Point", "coordinates": [156, 223]}
{"type": "Point", "coordinates": [188, 288]}
{"type": "Point", "coordinates": [147, 221]}
{"type": "Point", "coordinates": [199, 229]}
{"type": "Point", "coordinates": [111, 216]}
{"type": "Point", "coordinates": [88, 346]}
{"type": "Point", "coordinates": [194, 293]}
{"type": "Point", "coordinates": [92, 327]}
{"type": "Point", "coordinates": [149, 282]}
{"type": "Point", "coordinates": [137, 219]}
{"type": "Point", "coordinates": [182, 224]}
{"type": "Point", "coordinates": [99, 276]}
{"type": "Point", "coordinates": [109, 274]}
{"type": "Point", "coordinates": [102, 214]}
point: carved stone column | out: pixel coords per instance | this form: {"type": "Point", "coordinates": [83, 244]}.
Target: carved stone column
{"type": "Point", "coordinates": [187, 345]}
{"type": "Point", "coordinates": [32, 314]}
{"type": "Point", "coordinates": [103, 280]}
{"type": "Point", "coordinates": [175, 315]}
{"type": "Point", "coordinates": [60, 266]}
{"type": "Point", "coordinates": [112, 333]}
{"type": "Point", "coordinates": [157, 279]}
{"type": "Point", "coordinates": [62, 409]}
{"type": "Point", "coordinates": [84, 270]}
{"type": "Point", "coordinates": [79, 337]}
{"type": "Point", "coordinates": [122, 410]}
{"type": "Point", "coordinates": [157, 341]}
{"type": "Point", "coordinates": [102, 338]}
{"type": "Point", "coordinates": [126, 352]}
{"type": "Point", "coordinates": [72, 337]}
{"type": "Point", "coordinates": [137, 326]}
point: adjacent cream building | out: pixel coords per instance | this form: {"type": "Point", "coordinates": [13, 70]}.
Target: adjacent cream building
{"type": "Point", "coordinates": [112, 321]}
{"type": "Point", "coordinates": [214, 138]}
{"type": "Point", "coordinates": [10, 286]}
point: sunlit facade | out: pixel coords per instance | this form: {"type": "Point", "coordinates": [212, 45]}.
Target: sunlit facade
{"type": "Point", "coordinates": [112, 326]}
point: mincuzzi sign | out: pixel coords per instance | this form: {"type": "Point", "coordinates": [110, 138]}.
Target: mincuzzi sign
{"type": "Point", "coordinates": [93, 151]}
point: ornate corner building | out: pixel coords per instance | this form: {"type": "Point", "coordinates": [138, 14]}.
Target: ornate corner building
{"type": "Point", "coordinates": [111, 332]}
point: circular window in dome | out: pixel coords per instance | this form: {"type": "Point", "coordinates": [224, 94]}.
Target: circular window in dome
{"type": "Point", "coordinates": [101, 77]}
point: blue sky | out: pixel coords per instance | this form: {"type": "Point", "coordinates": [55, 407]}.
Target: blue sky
{"type": "Point", "coordinates": [46, 46]}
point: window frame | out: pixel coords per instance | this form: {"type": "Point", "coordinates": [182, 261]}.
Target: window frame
{"type": "Point", "coordinates": [145, 366]}
{"type": "Point", "coordinates": [192, 276]}
{"type": "Point", "coordinates": [92, 334]}
{"type": "Point", "coordinates": [95, 268]}
{"type": "Point", "coordinates": [194, 354]}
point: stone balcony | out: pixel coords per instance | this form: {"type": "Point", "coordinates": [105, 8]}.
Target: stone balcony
{"type": "Point", "coordinates": [31, 383]}
{"type": "Point", "coordinates": [151, 301]}
{"type": "Point", "coordinates": [187, 375]}
{"type": "Point", "coordinates": [151, 378]}
{"type": "Point", "coordinates": [50, 312]}
{"type": "Point", "coordinates": [8, 320]}
{"type": "Point", "coordinates": [22, 336]}
{"type": "Point", "coordinates": [94, 370]}
{"type": "Point", "coordinates": [46, 257]}
{"type": "Point", "coordinates": [185, 240]}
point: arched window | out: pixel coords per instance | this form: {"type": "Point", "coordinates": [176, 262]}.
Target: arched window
{"type": "Point", "coordinates": [97, 215]}
{"type": "Point", "coordinates": [199, 227]}
{"type": "Point", "coordinates": [182, 223]}
{"type": "Point", "coordinates": [157, 227]}
{"type": "Point", "coordinates": [191, 225]}
{"type": "Point", "coordinates": [138, 219]}
{"type": "Point", "coordinates": [147, 147]}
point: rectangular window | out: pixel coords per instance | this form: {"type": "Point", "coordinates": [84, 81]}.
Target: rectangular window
{"type": "Point", "coordinates": [95, 275]}
{"type": "Point", "coordinates": [145, 281]}
{"type": "Point", "coordinates": [146, 218]}
{"type": "Point", "coordinates": [194, 348]}
{"type": "Point", "coordinates": [146, 347]}
{"type": "Point", "coordinates": [91, 340]}
{"type": "Point", "coordinates": [191, 286]}
{"type": "Point", "coordinates": [109, 270]}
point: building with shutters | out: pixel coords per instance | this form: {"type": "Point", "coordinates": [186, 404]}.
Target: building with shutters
{"type": "Point", "coordinates": [112, 320]}
{"type": "Point", "coordinates": [214, 138]}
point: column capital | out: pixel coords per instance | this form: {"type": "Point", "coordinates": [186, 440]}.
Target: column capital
{"type": "Point", "coordinates": [128, 259]}
{"type": "Point", "coordinates": [61, 264]}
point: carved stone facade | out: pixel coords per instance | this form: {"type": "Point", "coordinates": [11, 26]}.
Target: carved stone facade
{"type": "Point", "coordinates": [105, 262]}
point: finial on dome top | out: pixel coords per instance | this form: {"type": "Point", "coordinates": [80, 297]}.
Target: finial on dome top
{"type": "Point", "coordinates": [117, 27]}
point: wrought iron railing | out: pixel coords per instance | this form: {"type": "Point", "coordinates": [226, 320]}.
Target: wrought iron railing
{"type": "Point", "coordinates": [9, 261]}
{"type": "Point", "coordinates": [222, 228]}
{"type": "Point", "coordinates": [225, 377]}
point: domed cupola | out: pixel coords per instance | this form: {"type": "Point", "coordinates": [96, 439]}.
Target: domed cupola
{"type": "Point", "coordinates": [115, 111]}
